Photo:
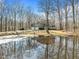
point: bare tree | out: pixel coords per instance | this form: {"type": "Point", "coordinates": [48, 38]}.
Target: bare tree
{"type": "Point", "coordinates": [73, 11]}
{"type": "Point", "coordinates": [29, 17]}
{"type": "Point", "coordinates": [1, 23]}
{"type": "Point", "coordinates": [6, 23]}
{"type": "Point", "coordinates": [21, 15]}
{"type": "Point", "coordinates": [46, 7]}
{"type": "Point", "coordinates": [76, 13]}
{"type": "Point", "coordinates": [59, 14]}
{"type": "Point", "coordinates": [66, 15]}
{"type": "Point", "coordinates": [1, 15]}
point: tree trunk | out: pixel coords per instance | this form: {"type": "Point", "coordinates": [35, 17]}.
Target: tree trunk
{"type": "Point", "coordinates": [47, 27]}
{"type": "Point", "coordinates": [66, 17]}
{"type": "Point", "coordinates": [60, 20]}
{"type": "Point", "coordinates": [5, 23]}
{"type": "Point", "coordinates": [73, 14]}
{"type": "Point", "coordinates": [1, 23]}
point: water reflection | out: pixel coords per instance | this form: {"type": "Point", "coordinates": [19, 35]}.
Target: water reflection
{"type": "Point", "coordinates": [53, 47]}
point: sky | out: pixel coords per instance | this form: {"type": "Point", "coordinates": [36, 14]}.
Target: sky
{"type": "Point", "coordinates": [33, 4]}
{"type": "Point", "coordinates": [26, 3]}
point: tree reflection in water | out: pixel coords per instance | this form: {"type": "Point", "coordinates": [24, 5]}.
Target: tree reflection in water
{"type": "Point", "coordinates": [53, 47]}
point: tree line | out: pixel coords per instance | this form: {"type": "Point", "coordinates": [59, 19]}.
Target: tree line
{"type": "Point", "coordinates": [63, 13]}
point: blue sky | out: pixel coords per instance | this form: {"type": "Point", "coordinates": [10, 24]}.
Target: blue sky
{"type": "Point", "coordinates": [26, 3]}
{"type": "Point", "coordinates": [33, 4]}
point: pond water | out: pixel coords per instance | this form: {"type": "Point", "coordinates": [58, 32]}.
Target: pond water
{"type": "Point", "coordinates": [31, 48]}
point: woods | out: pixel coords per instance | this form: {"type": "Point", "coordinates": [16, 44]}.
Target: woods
{"type": "Point", "coordinates": [62, 14]}
{"type": "Point", "coordinates": [14, 17]}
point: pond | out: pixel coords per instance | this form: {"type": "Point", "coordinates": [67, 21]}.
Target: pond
{"type": "Point", "coordinates": [21, 47]}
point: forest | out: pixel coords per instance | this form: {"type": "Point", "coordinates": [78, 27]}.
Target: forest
{"type": "Point", "coordinates": [61, 14]}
